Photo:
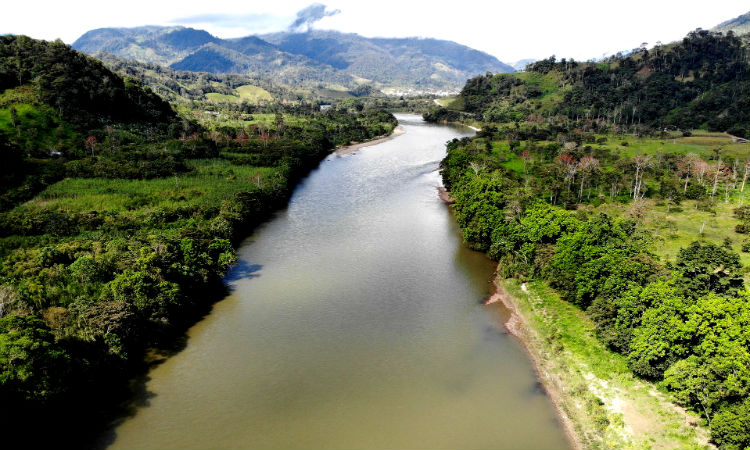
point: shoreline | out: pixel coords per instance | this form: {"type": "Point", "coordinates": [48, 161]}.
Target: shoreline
{"type": "Point", "coordinates": [345, 150]}
{"type": "Point", "coordinates": [518, 327]}
{"type": "Point", "coordinates": [629, 412]}
{"type": "Point", "coordinates": [596, 397]}
{"type": "Point", "coordinates": [445, 196]}
{"type": "Point", "coordinates": [445, 122]}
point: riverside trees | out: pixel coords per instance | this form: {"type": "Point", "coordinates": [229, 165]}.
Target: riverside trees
{"type": "Point", "coordinates": [683, 323]}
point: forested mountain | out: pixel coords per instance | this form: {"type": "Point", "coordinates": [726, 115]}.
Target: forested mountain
{"type": "Point", "coordinates": [393, 62]}
{"type": "Point", "coordinates": [153, 44]}
{"type": "Point", "coordinates": [180, 86]}
{"type": "Point", "coordinates": [702, 81]}
{"type": "Point", "coordinates": [327, 57]}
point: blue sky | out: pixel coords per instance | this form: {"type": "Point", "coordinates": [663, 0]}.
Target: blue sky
{"type": "Point", "coordinates": [509, 30]}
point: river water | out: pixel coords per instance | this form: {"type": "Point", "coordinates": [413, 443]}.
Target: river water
{"type": "Point", "coordinates": [354, 322]}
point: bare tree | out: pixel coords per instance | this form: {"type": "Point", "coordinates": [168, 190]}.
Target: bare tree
{"type": "Point", "coordinates": [476, 167]}
{"type": "Point", "coordinates": [641, 162]}
{"type": "Point", "coordinates": [586, 166]}
{"type": "Point", "coordinates": [700, 169]}
{"type": "Point", "coordinates": [719, 172]}
{"type": "Point", "coordinates": [685, 166]}
{"type": "Point", "coordinates": [570, 167]}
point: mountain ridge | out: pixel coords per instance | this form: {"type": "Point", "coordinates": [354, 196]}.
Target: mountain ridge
{"type": "Point", "coordinates": [314, 56]}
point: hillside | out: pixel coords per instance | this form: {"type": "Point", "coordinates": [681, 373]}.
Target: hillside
{"type": "Point", "coordinates": [700, 82]}
{"type": "Point", "coordinates": [313, 57]}
{"type": "Point", "coordinates": [180, 86]}
{"type": "Point", "coordinates": [739, 25]}
{"type": "Point", "coordinates": [51, 99]}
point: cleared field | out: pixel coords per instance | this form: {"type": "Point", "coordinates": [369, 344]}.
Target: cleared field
{"type": "Point", "coordinates": [208, 184]}
{"type": "Point", "coordinates": [248, 93]}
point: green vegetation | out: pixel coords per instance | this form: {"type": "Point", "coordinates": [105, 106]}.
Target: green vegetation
{"type": "Point", "coordinates": [593, 385]}
{"type": "Point", "coordinates": [637, 226]}
{"type": "Point", "coordinates": [118, 225]}
{"type": "Point", "coordinates": [702, 82]}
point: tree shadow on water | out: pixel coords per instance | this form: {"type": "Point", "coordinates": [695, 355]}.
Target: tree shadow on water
{"type": "Point", "coordinates": [242, 270]}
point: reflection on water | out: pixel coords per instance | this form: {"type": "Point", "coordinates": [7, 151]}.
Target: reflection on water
{"type": "Point", "coordinates": [354, 321]}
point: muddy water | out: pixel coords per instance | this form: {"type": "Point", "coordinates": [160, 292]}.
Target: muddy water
{"type": "Point", "coordinates": [354, 321]}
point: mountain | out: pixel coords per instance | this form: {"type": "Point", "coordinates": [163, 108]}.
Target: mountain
{"type": "Point", "coordinates": [180, 86]}
{"type": "Point", "coordinates": [402, 62]}
{"type": "Point", "coordinates": [739, 25]}
{"type": "Point", "coordinates": [314, 57]}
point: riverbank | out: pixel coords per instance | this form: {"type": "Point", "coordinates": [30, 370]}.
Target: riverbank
{"type": "Point", "coordinates": [397, 131]}
{"type": "Point", "coordinates": [599, 401]}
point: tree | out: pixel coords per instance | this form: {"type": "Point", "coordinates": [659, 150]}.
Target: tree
{"type": "Point", "coordinates": [91, 144]}
{"type": "Point", "coordinates": [641, 164]}
{"type": "Point", "coordinates": [685, 166]}
{"type": "Point", "coordinates": [32, 367]}
{"type": "Point", "coordinates": [479, 208]}
{"type": "Point", "coordinates": [527, 159]}
{"type": "Point", "coordinates": [570, 166]}
{"type": "Point", "coordinates": [587, 165]}
{"type": "Point", "coordinates": [730, 428]}
{"type": "Point", "coordinates": [704, 267]}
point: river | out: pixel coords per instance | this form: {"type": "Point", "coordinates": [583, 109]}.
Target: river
{"type": "Point", "coordinates": [353, 322]}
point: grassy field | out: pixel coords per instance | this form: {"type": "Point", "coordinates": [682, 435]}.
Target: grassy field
{"type": "Point", "coordinates": [207, 184]}
{"type": "Point", "coordinates": [445, 101]}
{"type": "Point", "coordinates": [674, 228]}
{"type": "Point", "coordinates": [249, 93]}
{"type": "Point", "coordinates": [253, 94]}
{"type": "Point", "coordinates": [608, 407]}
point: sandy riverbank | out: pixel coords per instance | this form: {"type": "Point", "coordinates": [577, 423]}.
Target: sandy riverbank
{"type": "Point", "coordinates": [398, 131]}
{"type": "Point", "coordinates": [445, 196]}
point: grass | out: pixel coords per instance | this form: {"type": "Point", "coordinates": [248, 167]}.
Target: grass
{"type": "Point", "coordinates": [253, 94]}
{"type": "Point", "coordinates": [608, 407]}
{"type": "Point", "coordinates": [674, 228]}
{"type": "Point", "coordinates": [703, 146]}
{"type": "Point", "coordinates": [249, 93]}
{"type": "Point", "coordinates": [222, 98]}
{"type": "Point", "coordinates": [49, 131]}
{"type": "Point", "coordinates": [209, 182]}
{"type": "Point", "coordinates": [445, 101]}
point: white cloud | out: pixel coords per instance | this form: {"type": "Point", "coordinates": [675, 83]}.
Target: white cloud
{"type": "Point", "coordinates": [510, 30]}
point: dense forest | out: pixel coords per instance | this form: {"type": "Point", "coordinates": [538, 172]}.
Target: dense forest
{"type": "Point", "coordinates": [642, 227]}
{"type": "Point", "coordinates": [119, 220]}
{"type": "Point", "coordinates": [701, 82]}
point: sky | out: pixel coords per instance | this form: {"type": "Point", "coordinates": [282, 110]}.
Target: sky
{"type": "Point", "coordinates": [509, 30]}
